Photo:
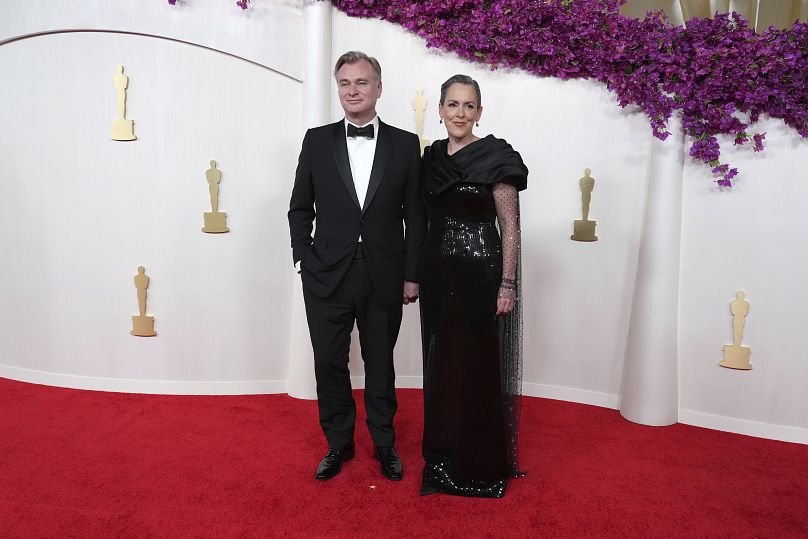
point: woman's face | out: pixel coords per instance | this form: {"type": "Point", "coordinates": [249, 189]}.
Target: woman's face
{"type": "Point", "coordinates": [460, 110]}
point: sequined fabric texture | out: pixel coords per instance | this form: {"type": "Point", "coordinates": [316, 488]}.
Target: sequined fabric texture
{"type": "Point", "coordinates": [472, 358]}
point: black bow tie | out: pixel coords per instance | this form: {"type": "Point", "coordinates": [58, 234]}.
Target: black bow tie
{"type": "Point", "coordinates": [366, 131]}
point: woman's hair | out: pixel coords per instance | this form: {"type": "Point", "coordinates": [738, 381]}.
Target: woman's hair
{"type": "Point", "coordinates": [460, 79]}
{"type": "Point", "coordinates": [351, 57]}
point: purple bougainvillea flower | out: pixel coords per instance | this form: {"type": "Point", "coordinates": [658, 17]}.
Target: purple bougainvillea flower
{"type": "Point", "coordinates": [758, 139]}
{"type": "Point", "coordinates": [718, 74]}
{"type": "Point", "coordinates": [172, 2]}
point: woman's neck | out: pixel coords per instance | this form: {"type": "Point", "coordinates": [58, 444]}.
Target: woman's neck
{"type": "Point", "coordinates": [456, 144]}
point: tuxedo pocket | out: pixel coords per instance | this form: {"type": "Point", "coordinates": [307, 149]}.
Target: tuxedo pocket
{"type": "Point", "coordinates": [315, 253]}
{"type": "Point", "coordinates": [318, 259]}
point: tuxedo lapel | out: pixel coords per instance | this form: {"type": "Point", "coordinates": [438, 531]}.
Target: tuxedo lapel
{"type": "Point", "coordinates": [383, 145]}
{"type": "Point", "coordinates": [343, 164]}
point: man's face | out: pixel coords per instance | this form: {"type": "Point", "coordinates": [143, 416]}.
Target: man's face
{"type": "Point", "coordinates": [358, 91]}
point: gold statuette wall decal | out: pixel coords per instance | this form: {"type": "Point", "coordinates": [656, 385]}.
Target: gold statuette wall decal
{"type": "Point", "coordinates": [215, 220]}
{"type": "Point", "coordinates": [584, 229]}
{"type": "Point", "coordinates": [122, 129]}
{"type": "Point", "coordinates": [142, 325]}
{"type": "Point", "coordinates": [419, 106]}
{"type": "Point", "coordinates": [735, 355]}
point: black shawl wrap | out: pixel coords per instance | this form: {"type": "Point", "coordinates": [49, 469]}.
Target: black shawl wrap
{"type": "Point", "coordinates": [485, 161]}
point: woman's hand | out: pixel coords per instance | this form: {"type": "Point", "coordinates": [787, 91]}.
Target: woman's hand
{"type": "Point", "coordinates": [506, 300]}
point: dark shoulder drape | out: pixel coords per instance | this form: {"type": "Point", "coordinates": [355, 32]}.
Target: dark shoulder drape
{"type": "Point", "coordinates": [488, 160]}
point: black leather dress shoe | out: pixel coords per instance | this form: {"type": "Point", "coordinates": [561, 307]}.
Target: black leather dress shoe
{"type": "Point", "coordinates": [332, 462]}
{"type": "Point", "coordinates": [391, 465]}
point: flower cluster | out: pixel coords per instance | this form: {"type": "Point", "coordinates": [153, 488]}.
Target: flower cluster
{"type": "Point", "coordinates": [718, 73]}
{"type": "Point", "coordinates": [243, 4]}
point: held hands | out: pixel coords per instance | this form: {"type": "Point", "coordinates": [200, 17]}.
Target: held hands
{"type": "Point", "coordinates": [506, 299]}
{"type": "Point", "coordinates": [410, 292]}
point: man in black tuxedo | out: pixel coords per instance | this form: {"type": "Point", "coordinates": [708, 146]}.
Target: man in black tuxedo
{"type": "Point", "coordinates": [358, 179]}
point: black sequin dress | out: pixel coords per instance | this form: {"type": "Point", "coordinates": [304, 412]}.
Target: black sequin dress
{"type": "Point", "coordinates": [472, 358]}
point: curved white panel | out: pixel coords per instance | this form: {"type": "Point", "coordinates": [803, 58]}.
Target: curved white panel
{"type": "Point", "coordinates": [268, 33]}
{"type": "Point", "coordinates": [650, 384]}
{"type": "Point", "coordinates": [83, 211]}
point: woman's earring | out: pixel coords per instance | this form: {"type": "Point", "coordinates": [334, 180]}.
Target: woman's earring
{"type": "Point", "coordinates": [440, 121]}
{"type": "Point", "coordinates": [478, 124]}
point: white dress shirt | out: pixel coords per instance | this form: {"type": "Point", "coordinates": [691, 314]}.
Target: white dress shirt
{"type": "Point", "coordinates": [361, 151]}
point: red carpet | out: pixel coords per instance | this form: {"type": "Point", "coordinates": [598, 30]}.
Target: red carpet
{"type": "Point", "coordinates": [91, 464]}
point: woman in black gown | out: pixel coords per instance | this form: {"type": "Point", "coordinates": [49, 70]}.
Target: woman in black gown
{"type": "Point", "coordinates": [470, 315]}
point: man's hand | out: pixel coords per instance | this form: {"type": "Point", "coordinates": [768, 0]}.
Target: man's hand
{"type": "Point", "coordinates": [410, 292]}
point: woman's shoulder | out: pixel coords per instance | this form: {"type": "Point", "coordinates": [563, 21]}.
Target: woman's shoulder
{"type": "Point", "coordinates": [497, 142]}
{"type": "Point", "coordinates": [508, 162]}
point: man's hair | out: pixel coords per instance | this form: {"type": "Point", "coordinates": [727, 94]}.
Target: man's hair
{"type": "Point", "coordinates": [460, 79]}
{"type": "Point", "coordinates": [351, 57]}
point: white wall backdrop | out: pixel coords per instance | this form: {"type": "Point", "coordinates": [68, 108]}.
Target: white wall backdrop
{"type": "Point", "coordinates": [85, 211]}
{"type": "Point", "coordinates": [82, 212]}
{"type": "Point", "coordinates": [747, 238]}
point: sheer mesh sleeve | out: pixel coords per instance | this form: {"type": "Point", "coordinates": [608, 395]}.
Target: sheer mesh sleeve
{"type": "Point", "coordinates": [506, 198]}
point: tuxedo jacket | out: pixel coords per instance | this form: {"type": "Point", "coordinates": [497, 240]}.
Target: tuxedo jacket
{"type": "Point", "coordinates": [324, 194]}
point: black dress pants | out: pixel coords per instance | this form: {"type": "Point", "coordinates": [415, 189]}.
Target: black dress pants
{"type": "Point", "coordinates": [331, 321]}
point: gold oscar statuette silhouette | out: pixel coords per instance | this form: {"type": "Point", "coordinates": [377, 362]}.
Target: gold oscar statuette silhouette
{"type": "Point", "coordinates": [419, 106]}
{"type": "Point", "coordinates": [735, 355]}
{"type": "Point", "coordinates": [122, 129]}
{"type": "Point", "coordinates": [215, 220]}
{"type": "Point", "coordinates": [584, 229]}
{"type": "Point", "coordinates": [142, 325]}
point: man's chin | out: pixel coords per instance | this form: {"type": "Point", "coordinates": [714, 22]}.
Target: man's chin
{"type": "Point", "coordinates": [357, 114]}
{"type": "Point", "coordinates": [357, 111]}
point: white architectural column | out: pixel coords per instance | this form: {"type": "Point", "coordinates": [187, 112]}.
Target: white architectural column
{"type": "Point", "coordinates": [318, 66]}
{"type": "Point", "coordinates": [649, 394]}
{"type": "Point", "coordinates": [316, 111]}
